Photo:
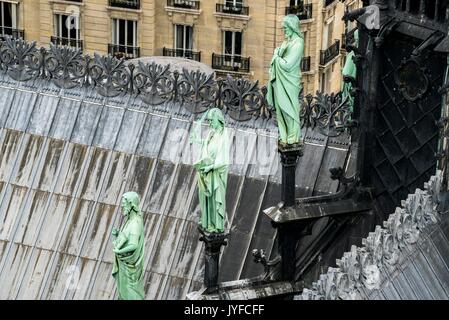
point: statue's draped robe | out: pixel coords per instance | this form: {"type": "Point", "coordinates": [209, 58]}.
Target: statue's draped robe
{"type": "Point", "coordinates": [128, 267]}
{"type": "Point", "coordinates": [284, 88]}
{"type": "Point", "coordinates": [212, 185]}
{"type": "Point", "coordinates": [349, 70]}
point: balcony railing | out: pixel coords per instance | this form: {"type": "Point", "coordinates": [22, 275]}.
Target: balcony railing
{"type": "Point", "coordinates": [122, 51]}
{"type": "Point", "coordinates": [60, 41]}
{"type": "Point", "coordinates": [348, 38]}
{"type": "Point", "coordinates": [186, 4]}
{"type": "Point", "coordinates": [127, 4]}
{"type": "Point", "coordinates": [232, 9]}
{"type": "Point", "coordinates": [14, 33]}
{"type": "Point", "coordinates": [230, 63]}
{"type": "Point", "coordinates": [328, 2]}
{"type": "Point", "coordinates": [305, 64]}
{"type": "Point", "coordinates": [303, 12]}
{"type": "Point", "coordinates": [330, 53]}
{"type": "Point", "coordinates": [182, 53]}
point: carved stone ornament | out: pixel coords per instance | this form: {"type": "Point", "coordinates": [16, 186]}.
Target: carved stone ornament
{"type": "Point", "coordinates": [361, 270]}
{"type": "Point", "coordinates": [185, 17]}
{"type": "Point", "coordinates": [411, 80]}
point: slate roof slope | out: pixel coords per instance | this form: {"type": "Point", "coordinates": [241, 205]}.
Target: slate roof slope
{"type": "Point", "coordinates": [406, 259]}
{"type": "Point", "coordinates": [67, 156]}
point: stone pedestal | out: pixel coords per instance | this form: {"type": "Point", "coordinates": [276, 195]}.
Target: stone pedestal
{"type": "Point", "coordinates": [213, 243]}
{"type": "Point", "coordinates": [290, 154]}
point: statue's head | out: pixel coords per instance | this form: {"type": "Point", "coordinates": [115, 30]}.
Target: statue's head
{"type": "Point", "coordinates": [215, 118]}
{"type": "Point", "coordinates": [130, 202]}
{"type": "Point", "coordinates": [291, 26]}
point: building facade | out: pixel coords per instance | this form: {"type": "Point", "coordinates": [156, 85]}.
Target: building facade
{"type": "Point", "coordinates": [234, 37]}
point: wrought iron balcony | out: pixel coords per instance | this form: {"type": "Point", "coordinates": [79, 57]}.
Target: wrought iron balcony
{"type": "Point", "coordinates": [182, 53]}
{"type": "Point", "coordinates": [232, 9]}
{"type": "Point", "coordinates": [122, 51]}
{"type": "Point", "coordinates": [127, 4]}
{"type": "Point", "coordinates": [230, 63]}
{"type": "Point", "coordinates": [303, 12]}
{"type": "Point", "coordinates": [328, 2]}
{"type": "Point", "coordinates": [347, 38]}
{"type": "Point", "coordinates": [305, 64]}
{"type": "Point", "coordinates": [186, 4]}
{"type": "Point", "coordinates": [60, 41]}
{"type": "Point", "coordinates": [330, 53]}
{"type": "Point", "coordinates": [14, 33]}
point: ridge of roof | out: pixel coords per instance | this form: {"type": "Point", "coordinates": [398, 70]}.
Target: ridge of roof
{"type": "Point", "coordinates": [143, 83]}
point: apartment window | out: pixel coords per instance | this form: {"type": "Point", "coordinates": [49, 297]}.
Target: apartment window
{"type": "Point", "coordinates": [232, 48]}
{"type": "Point", "coordinates": [232, 43]}
{"type": "Point", "coordinates": [67, 30]}
{"type": "Point", "coordinates": [183, 38]}
{"type": "Point", "coordinates": [326, 81]}
{"type": "Point", "coordinates": [231, 58]}
{"type": "Point", "coordinates": [124, 32]}
{"type": "Point", "coordinates": [124, 38]}
{"type": "Point", "coordinates": [294, 3]}
{"type": "Point", "coordinates": [8, 19]}
{"type": "Point", "coordinates": [327, 33]}
{"type": "Point", "coordinates": [323, 81]}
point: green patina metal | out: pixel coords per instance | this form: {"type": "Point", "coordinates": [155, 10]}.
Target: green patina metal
{"type": "Point", "coordinates": [285, 86]}
{"type": "Point", "coordinates": [212, 168]}
{"type": "Point", "coordinates": [129, 251]}
{"type": "Point", "coordinates": [350, 71]}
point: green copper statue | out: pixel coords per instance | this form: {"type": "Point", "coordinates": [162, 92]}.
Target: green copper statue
{"type": "Point", "coordinates": [212, 168]}
{"type": "Point", "coordinates": [129, 249]}
{"type": "Point", "coordinates": [349, 72]}
{"type": "Point", "coordinates": [285, 81]}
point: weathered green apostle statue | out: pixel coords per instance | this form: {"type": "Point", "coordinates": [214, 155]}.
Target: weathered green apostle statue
{"type": "Point", "coordinates": [129, 251]}
{"type": "Point", "coordinates": [212, 168]}
{"type": "Point", "coordinates": [285, 81]}
{"type": "Point", "coordinates": [349, 72]}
